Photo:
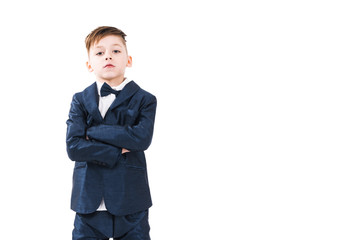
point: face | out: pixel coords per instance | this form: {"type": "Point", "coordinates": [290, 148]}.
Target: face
{"type": "Point", "coordinates": [108, 59]}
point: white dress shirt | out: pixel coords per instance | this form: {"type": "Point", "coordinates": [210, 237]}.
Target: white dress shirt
{"type": "Point", "coordinates": [104, 104]}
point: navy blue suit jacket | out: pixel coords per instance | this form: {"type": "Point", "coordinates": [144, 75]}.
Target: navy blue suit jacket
{"type": "Point", "coordinates": [101, 171]}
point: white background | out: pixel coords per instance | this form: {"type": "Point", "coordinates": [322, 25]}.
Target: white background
{"type": "Point", "coordinates": [257, 129]}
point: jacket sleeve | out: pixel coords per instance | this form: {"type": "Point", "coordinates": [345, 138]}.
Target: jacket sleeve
{"type": "Point", "coordinates": [133, 138]}
{"type": "Point", "coordinates": [79, 148]}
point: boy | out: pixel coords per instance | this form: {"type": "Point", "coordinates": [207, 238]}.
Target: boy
{"type": "Point", "coordinates": [110, 126]}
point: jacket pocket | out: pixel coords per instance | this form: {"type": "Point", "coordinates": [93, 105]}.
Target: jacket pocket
{"type": "Point", "coordinates": [79, 165]}
{"type": "Point", "coordinates": [124, 117]}
{"type": "Point", "coordinates": [130, 162]}
{"type": "Point", "coordinates": [131, 116]}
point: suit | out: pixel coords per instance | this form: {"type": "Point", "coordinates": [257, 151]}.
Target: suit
{"type": "Point", "coordinates": [95, 144]}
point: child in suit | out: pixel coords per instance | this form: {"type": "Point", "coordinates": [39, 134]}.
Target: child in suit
{"type": "Point", "coordinates": [110, 126]}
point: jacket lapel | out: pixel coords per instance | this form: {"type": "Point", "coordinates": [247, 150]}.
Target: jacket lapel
{"type": "Point", "coordinates": [91, 100]}
{"type": "Point", "coordinates": [130, 89]}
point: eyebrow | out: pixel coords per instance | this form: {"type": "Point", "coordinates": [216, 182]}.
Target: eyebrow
{"type": "Point", "coordinates": [111, 45]}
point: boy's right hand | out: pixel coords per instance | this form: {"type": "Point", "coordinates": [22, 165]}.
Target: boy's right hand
{"type": "Point", "coordinates": [124, 150]}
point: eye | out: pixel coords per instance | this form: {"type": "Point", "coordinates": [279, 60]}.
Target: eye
{"type": "Point", "coordinates": [99, 53]}
{"type": "Point", "coordinates": [116, 51]}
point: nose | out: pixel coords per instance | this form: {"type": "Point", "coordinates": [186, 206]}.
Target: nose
{"type": "Point", "coordinates": [108, 55]}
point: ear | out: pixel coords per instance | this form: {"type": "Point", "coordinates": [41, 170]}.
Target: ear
{"type": "Point", "coordinates": [129, 63]}
{"type": "Point", "coordinates": [88, 66]}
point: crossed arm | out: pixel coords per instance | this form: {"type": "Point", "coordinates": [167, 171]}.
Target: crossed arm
{"type": "Point", "coordinates": [82, 150]}
{"type": "Point", "coordinates": [124, 150]}
{"type": "Point", "coordinates": [105, 144]}
{"type": "Point", "coordinates": [130, 138]}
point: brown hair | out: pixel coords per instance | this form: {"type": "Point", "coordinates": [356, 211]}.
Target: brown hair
{"type": "Point", "coordinates": [96, 35]}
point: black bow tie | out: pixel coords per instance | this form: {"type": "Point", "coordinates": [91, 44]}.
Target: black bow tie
{"type": "Point", "coordinates": [106, 90]}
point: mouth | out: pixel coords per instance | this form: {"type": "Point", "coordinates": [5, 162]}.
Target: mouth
{"type": "Point", "coordinates": [109, 66]}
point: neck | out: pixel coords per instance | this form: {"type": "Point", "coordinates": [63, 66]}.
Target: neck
{"type": "Point", "coordinates": [112, 82]}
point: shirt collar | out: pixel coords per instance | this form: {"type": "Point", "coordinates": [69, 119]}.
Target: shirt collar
{"type": "Point", "coordinates": [117, 88]}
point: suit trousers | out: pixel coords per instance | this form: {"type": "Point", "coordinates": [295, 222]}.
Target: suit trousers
{"type": "Point", "coordinates": [104, 225]}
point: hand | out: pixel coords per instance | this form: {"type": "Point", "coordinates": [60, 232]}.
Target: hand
{"type": "Point", "coordinates": [124, 150]}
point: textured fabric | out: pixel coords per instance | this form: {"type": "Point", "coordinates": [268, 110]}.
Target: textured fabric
{"type": "Point", "coordinates": [103, 225]}
{"type": "Point", "coordinates": [104, 104]}
{"type": "Point", "coordinates": [95, 144]}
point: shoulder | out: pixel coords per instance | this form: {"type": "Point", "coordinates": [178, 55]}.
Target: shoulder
{"type": "Point", "coordinates": [81, 96]}
{"type": "Point", "coordinates": [144, 94]}
{"type": "Point", "coordinates": [146, 99]}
